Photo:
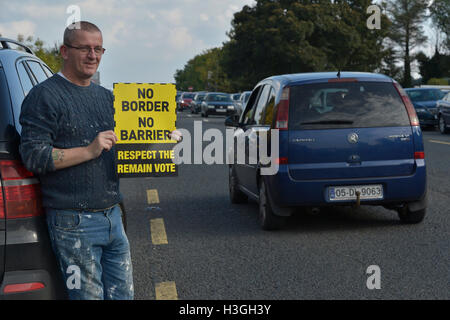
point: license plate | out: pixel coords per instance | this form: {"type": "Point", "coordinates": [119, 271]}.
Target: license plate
{"type": "Point", "coordinates": [368, 192]}
{"type": "Point", "coordinates": [221, 110]}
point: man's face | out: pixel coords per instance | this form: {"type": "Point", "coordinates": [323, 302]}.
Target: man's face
{"type": "Point", "coordinates": [83, 65]}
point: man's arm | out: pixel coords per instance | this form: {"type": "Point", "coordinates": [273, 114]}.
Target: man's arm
{"type": "Point", "coordinates": [64, 158]}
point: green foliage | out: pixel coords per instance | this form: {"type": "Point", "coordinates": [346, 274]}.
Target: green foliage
{"type": "Point", "coordinates": [438, 82]}
{"type": "Point", "coordinates": [440, 15]}
{"type": "Point", "coordinates": [289, 36]}
{"type": "Point", "coordinates": [50, 55]}
{"type": "Point", "coordinates": [408, 17]}
{"type": "Point", "coordinates": [437, 66]}
{"type": "Point", "coordinates": [203, 72]}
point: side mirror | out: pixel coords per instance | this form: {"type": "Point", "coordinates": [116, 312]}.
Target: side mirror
{"type": "Point", "coordinates": [232, 121]}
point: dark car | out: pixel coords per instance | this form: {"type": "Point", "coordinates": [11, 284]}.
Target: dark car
{"type": "Point", "coordinates": [424, 100]}
{"type": "Point", "coordinates": [217, 103]}
{"type": "Point", "coordinates": [185, 100]}
{"type": "Point", "coordinates": [443, 111]}
{"type": "Point", "coordinates": [348, 140]}
{"type": "Point", "coordinates": [241, 102]}
{"type": "Point", "coordinates": [196, 103]}
{"type": "Point", "coordinates": [28, 269]}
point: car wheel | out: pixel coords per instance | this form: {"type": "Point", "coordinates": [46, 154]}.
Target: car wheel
{"type": "Point", "coordinates": [411, 217]}
{"type": "Point", "coordinates": [442, 125]}
{"type": "Point", "coordinates": [267, 218]}
{"type": "Point", "coordinates": [206, 114]}
{"type": "Point", "coordinates": [236, 195]}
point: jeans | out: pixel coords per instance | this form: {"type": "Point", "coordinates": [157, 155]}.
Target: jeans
{"type": "Point", "coordinates": [93, 253]}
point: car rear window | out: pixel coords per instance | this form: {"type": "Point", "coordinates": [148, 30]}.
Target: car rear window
{"type": "Point", "coordinates": [219, 97]}
{"type": "Point", "coordinates": [188, 95]}
{"type": "Point", "coordinates": [346, 105]}
{"type": "Point", "coordinates": [5, 107]}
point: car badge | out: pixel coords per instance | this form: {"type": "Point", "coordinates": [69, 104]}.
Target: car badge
{"type": "Point", "coordinates": [352, 138]}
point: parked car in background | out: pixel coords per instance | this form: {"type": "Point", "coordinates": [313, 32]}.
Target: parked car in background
{"type": "Point", "coordinates": [240, 103]}
{"type": "Point", "coordinates": [185, 100]}
{"type": "Point", "coordinates": [346, 140]}
{"type": "Point", "coordinates": [28, 268]}
{"type": "Point", "coordinates": [196, 102]}
{"type": "Point", "coordinates": [178, 95]}
{"type": "Point", "coordinates": [424, 100]}
{"type": "Point", "coordinates": [235, 96]}
{"type": "Point", "coordinates": [443, 113]}
{"type": "Point", "coordinates": [217, 103]}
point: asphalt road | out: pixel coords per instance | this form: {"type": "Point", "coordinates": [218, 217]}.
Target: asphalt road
{"type": "Point", "coordinates": [210, 249]}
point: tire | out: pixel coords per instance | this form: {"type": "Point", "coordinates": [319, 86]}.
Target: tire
{"type": "Point", "coordinates": [267, 218]}
{"type": "Point", "coordinates": [203, 115]}
{"type": "Point", "coordinates": [206, 114]}
{"type": "Point", "coordinates": [236, 195]}
{"type": "Point", "coordinates": [442, 125]}
{"type": "Point", "coordinates": [411, 217]}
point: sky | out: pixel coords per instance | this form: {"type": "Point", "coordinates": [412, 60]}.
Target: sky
{"type": "Point", "coordinates": [146, 40]}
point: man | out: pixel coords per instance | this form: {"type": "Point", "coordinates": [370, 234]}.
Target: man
{"type": "Point", "coordinates": [68, 140]}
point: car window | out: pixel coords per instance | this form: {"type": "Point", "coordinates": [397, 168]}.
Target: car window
{"type": "Point", "coordinates": [346, 105]}
{"type": "Point", "coordinates": [219, 97]}
{"type": "Point", "coordinates": [37, 70]}
{"type": "Point", "coordinates": [24, 78]}
{"type": "Point", "coordinates": [248, 115]}
{"type": "Point", "coordinates": [5, 103]}
{"type": "Point", "coordinates": [48, 71]}
{"type": "Point", "coordinates": [188, 95]}
{"type": "Point", "coordinates": [424, 95]}
{"type": "Point", "coordinates": [258, 114]}
{"type": "Point", "coordinates": [268, 114]}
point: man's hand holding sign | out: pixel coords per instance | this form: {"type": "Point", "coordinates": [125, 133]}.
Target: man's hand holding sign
{"type": "Point", "coordinates": [145, 119]}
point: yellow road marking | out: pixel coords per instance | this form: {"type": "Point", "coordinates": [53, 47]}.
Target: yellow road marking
{"type": "Point", "coordinates": [158, 231]}
{"type": "Point", "coordinates": [152, 196]}
{"type": "Point", "coordinates": [166, 291]}
{"type": "Point", "coordinates": [442, 142]}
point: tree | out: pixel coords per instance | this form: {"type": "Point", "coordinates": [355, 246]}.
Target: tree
{"type": "Point", "coordinates": [406, 31]}
{"type": "Point", "coordinates": [440, 15]}
{"type": "Point", "coordinates": [289, 36]}
{"type": "Point", "coordinates": [437, 66]}
{"type": "Point", "coordinates": [203, 72]}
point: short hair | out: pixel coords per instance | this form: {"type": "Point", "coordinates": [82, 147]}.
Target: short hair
{"type": "Point", "coordinates": [70, 32]}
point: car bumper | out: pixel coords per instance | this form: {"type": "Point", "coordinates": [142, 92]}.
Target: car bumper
{"type": "Point", "coordinates": [222, 113]}
{"type": "Point", "coordinates": [47, 289]}
{"type": "Point", "coordinates": [286, 192]}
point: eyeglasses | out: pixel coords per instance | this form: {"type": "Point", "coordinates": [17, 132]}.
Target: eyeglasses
{"type": "Point", "coordinates": [86, 49]}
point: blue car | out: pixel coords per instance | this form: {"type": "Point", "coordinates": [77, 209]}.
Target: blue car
{"type": "Point", "coordinates": [344, 139]}
{"type": "Point", "coordinates": [425, 100]}
{"type": "Point", "coordinates": [443, 110]}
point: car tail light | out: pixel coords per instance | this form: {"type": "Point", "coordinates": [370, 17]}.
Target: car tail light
{"type": "Point", "coordinates": [282, 160]}
{"type": "Point", "coordinates": [343, 80]}
{"type": "Point", "coordinates": [2, 206]}
{"type": "Point", "coordinates": [22, 287]}
{"type": "Point", "coordinates": [419, 155]}
{"type": "Point", "coordinates": [21, 193]}
{"type": "Point", "coordinates": [413, 119]}
{"type": "Point", "coordinates": [282, 119]}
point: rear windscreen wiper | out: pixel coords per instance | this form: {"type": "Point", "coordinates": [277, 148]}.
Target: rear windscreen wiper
{"type": "Point", "coordinates": [329, 122]}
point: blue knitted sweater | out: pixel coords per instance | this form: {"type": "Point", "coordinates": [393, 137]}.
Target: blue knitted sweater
{"type": "Point", "coordinates": [57, 113]}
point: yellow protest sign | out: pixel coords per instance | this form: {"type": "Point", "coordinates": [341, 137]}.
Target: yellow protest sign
{"type": "Point", "coordinates": [145, 115]}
